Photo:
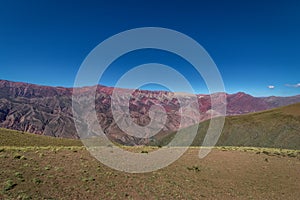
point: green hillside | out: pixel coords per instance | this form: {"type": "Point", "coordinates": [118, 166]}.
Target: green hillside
{"type": "Point", "coordinates": [21, 139]}
{"type": "Point", "coordinates": [276, 128]}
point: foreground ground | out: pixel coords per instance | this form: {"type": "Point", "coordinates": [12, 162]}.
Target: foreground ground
{"type": "Point", "coordinates": [226, 173]}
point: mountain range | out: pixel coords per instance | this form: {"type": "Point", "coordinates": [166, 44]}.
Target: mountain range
{"type": "Point", "coordinates": [46, 110]}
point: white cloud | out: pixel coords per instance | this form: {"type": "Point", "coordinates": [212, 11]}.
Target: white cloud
{"type": "Point", "coordinates": [271, 86]}
{"type": "Point", "coordinates": [293, 85]}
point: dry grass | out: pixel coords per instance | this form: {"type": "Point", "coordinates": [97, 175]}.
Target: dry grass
{"type": "Point", "coordinates": [22, 139]}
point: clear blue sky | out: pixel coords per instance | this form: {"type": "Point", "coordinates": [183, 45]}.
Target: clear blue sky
{"type": "Point", "coordinates": [255, 44]}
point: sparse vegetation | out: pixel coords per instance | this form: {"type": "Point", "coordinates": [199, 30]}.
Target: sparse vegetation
{"type": "Point", "coordinates": [17, 156]}
{"type": "Point", "coordinates": [19, 139]}
{"type": "Point", "coordinates": [194, 168]}
{"type": "Point", "coordinates": [58, 170]}
{"type": "Point", "coordinates": [9, 184]}
{"type": "Point", "coordinates": [64, 174]}
{"type": "Point", "coordinates": [36, 180]}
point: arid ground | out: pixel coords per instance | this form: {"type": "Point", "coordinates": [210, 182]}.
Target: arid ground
{"type": "Point", "coordinates": [226, 173]}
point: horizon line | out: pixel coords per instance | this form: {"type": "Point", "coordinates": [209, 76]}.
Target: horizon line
{"type": "Point", "coordinates": [68, 87]}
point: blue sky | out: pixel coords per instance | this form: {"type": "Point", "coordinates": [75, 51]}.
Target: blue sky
{"type": "Point", "coordinates": [255, 44]}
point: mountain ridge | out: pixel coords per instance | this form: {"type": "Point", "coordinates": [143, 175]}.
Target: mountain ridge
{"type": "Point", "coordinates": [47, 110]}
{"type": "Point", "coordinates": [20, 83]}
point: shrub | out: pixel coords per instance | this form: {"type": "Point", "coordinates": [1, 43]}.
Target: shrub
{"type": "Point", "coordinates": [18, 175]}
{"type": "Point", "coordinates": [194, 168]}
{"type": "Point", "coordinates": [266, 152]}
{"type": "Point", "coordinates": [24, 197]}
{"type": "Point", "coordinates": [9, 184]}
{"type": "Point", "coordinates": [37, 180]}
{"type": "Point", "coordinates": [17, 156]}
{"type": "Point", "coordinates": [291, 155]}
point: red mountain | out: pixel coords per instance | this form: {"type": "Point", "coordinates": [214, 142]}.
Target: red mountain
{"type": "Point", "coordinates": [48, 110]}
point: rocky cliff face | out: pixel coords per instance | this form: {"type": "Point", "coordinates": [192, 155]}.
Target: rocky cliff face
{"type": "Point", "coordinates": [48, 110]}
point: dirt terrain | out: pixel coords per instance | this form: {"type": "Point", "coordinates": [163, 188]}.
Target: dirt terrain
{"type": "Point", "coordinates": [226, 173]}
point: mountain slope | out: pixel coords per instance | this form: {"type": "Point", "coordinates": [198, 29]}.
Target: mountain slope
{"type": "Point", "coordinates": [48, 110]}
{"type": "Point", "coordinates": [20, 139]}
{"type": "Point", "coordinates": [276, 128]}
